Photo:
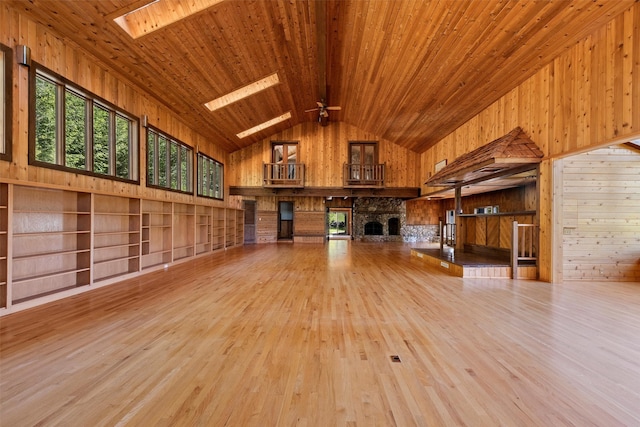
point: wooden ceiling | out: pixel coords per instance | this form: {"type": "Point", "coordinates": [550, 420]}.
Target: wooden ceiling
{"type": "Point", "coordinates": [407, 71]}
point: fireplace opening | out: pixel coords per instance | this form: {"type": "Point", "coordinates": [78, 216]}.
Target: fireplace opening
{"type": "Point", "coordinates": [394, 226]}
{"type": "Point", "coordinates": [373, 228]}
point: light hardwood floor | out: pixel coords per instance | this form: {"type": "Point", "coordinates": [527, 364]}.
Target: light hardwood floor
{"type": "Point", "coordinates": [303, 334]}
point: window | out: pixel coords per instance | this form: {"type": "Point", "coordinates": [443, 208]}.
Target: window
{"type": "Point", "coordinates": [5, 102]}
{"type": "Point", "coordinates": [76, 131]}
{"type": "Point", "coordinates": [284, 156]}
{"type": "Point", "coordinates": [362, 157]}
{"type": "Point", "coordinates": [169, 162]}
{"type": "Point", "coordinates": [210, 177]}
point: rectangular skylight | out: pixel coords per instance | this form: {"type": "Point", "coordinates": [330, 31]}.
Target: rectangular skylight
{"type": "Point", "coordinates": [156, 14]}
{"type": "Point", "coordinates": [265, 125]}
{"type": "Point", "coordinates": [243, 92]}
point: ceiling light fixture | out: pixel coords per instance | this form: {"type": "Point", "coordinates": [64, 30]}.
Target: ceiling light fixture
{"type": "Point", "coordinates": [156, 14]}
{"type": "Point", "coordinates": [243, 92]}
{"type": "Point", "coordinates": [264, 125]}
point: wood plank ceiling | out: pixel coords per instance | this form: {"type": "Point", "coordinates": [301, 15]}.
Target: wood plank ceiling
{"type": "Point", "coordinates": [408, 71]}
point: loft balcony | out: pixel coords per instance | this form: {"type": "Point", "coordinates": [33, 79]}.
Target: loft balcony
{"type": "Point", "coordinates": [283, 175]}
{"type": "Point", "coordinates": [363, 175]}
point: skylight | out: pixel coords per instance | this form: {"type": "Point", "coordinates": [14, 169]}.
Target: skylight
{"type": "Point", "coordinates": [157, 14]}
{"type": "Point", "coordinates": [243, 92]}
{"type": "Point", "coordinates": [264, 125]}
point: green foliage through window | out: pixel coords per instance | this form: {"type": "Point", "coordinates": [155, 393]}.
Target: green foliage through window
{"type": "Point", "coordinates": [210, 177]}
{"type": "Point", "coordinates": [169, 162]}
{"type": "Point", "coordinates": [5, 101]}
{"type": "Point", "coordinates": [78, 131]}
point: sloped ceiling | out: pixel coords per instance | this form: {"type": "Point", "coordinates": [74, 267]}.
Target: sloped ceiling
{"type": "Point", "coordinates": [407, 71]}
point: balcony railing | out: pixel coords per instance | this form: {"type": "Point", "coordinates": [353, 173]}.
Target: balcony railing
{"type": "Point", "coordinates": [363, 175]}
{"type": "Point", "coordinates": [284, 175]}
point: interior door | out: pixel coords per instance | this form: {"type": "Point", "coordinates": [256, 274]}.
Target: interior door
{"type": "Point", "coordinates": [285, 220]}
{"type": "Point", "coordinates": [249, 221]}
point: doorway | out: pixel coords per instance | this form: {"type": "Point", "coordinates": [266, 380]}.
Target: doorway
{"type": "Point", "coordinates": [285, 220]}
{"type": "Point", "coordinates": [339, 223]}
{"type": "Point", "coordinates": [249, 221]}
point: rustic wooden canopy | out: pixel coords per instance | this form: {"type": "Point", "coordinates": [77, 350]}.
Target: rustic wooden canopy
{"type": "Point", "coordinates": [506, 154]}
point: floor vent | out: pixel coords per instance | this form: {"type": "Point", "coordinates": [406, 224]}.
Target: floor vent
{"type": "Point", "coordinates": [396, 359]}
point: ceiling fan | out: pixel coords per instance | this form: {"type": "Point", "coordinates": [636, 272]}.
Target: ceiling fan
{"type": "Point", "coordinates": [323, 110]}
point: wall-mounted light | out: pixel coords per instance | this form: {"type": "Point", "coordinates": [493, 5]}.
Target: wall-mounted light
{"type": "Point", "coordinates": [23, 54]}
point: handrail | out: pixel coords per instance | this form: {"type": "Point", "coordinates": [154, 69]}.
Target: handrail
{"type": "Point", "coordinates": [362, 174]}
{"type": "Point", "coordinates": [447, 234]}
{"type": "Point", "coordinates": [523, 245]}
{"type": "Point", "coordinates": [285, 175]}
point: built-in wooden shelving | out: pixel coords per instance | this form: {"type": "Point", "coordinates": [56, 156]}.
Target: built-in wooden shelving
{"type": "Point", "coordinates": [230, 228]}
{"type": "Point", "coordinates": [239, 227]}
{"type": "Point", "coordinates": [4, 246]}
{"type": "Point", "coordinates": [56, 242]}
{"type": "Point", "coordinates": [183, 230]}
{"type": "Point", "coordinates": [156, 233]}
{"type": "Point", "coordinates": [203, 229]}
{"type": "Point", "coordinates": [51, 242]}
{"type": "Point", "coordinates": [116, 236]}
{"type": "Point", "coordinates": [217, 228]}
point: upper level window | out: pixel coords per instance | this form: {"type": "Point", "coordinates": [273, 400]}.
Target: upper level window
{"type": "Point", "coordinates": [210, 177]}
{"type": "Point", "coordinates": [169, 162]}
{"type": "Point", "coordinates": [77, 131]}
{"type": "Point", "coordinates": [5, 102]}
{"type": "Point", "coordinates": [363, 153]}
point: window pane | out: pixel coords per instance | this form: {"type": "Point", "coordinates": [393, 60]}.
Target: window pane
{"type": "Point", "coordinates": [278, 154]}
{"type": "Point", "coordinates": [291, 156]}
{"type": "Point", "coordinates": [201, 178]}
{"type": "Point", "coordinates": [151, 151]}
{"type": "Point", "coordinates": [100, 140]}
{"type": "Point", "coordinates": [184, 169]}
{"type": "Point", "coordinates": [3, 108]}
{"type": "Point", "coordinates": [122, 147]}
{"type": "Point", "coordinates": [174, 166]}
{"type": "Point", "coordinates": [45, 121]}
{"type": "Point", "coordinates": [369, 154]}
{"type": "Point", "coordinates": [163, 148]}
{"type": "Point", "coordinates": [355, 153]}
{"type": "Point", "coordinates": [75, 131]}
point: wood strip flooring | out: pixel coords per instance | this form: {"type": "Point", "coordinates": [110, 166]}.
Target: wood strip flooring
{"type": "Point", "coordinates": [303, 334]}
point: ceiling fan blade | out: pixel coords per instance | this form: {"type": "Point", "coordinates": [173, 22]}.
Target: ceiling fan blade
{"type": "Point", "coordinates": [324, 113]}
{"type": "Point", "coordinates": [333, 108]}
{"type": "Point", "coordinates": [313, 109]}
{"type": "Point", "coordinates": [320, 104]}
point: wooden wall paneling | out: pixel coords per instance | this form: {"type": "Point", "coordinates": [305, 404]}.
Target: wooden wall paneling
{"type": "Point", "coordinates": [82, 68]}
{"type": "Point", "coordinates": [267, 227]}
{"type": "Point", "coordinates": [324, 150]}
{"type": "Point", "coordinates": [601, 215]}
{"type": "Point", "coordinates": [309, 224]}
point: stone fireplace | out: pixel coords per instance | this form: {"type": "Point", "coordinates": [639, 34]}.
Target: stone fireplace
{"type": "Point", "coordinates": [378, 219]}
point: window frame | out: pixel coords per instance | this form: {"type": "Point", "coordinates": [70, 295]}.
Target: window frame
{"type": "Point", "coordinates": [7, 103]}
{"type": "Point", "coordinates": [172, 142]}
{"type": "Point", "coordinates": [64, 86]}
{"type": "Point", "coordinates": [200, 185]}
{"type": "Point", "coordinates": [362, 145]}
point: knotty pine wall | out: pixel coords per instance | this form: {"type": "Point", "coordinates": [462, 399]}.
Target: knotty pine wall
{"type": "Point", "coordinates": [601, 215]}
{"type": "Point", "coordinates": [586, 98]}
{"type": "Point", "coordinates": [324, 150]}
{"type": "Point", "coordinates": [83, 69]}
